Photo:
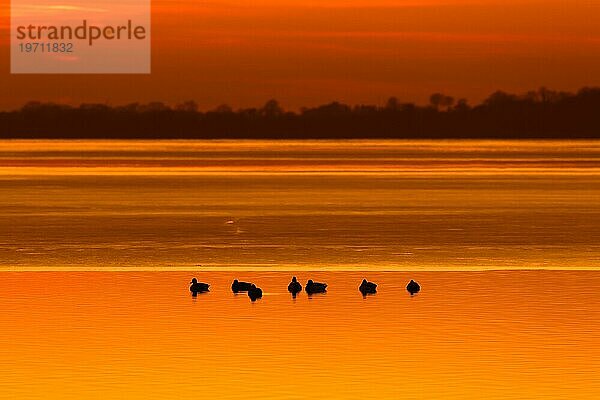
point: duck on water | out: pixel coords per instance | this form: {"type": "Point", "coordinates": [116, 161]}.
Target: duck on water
{"type": "Point", "coordinates": [198, 287]}
{"type": "Point", "coordinates": [413, 287]}
{"type": "Point", "coordinates": [294, 287]}
{"type": "Point", "coordinates": [367, 287]}
{"type": "Point", "coordinates": [315, 287]}
{"type": "Point", "coordinates": [238, 286]}
{"type": "Point", "coordinates": [254, 292]}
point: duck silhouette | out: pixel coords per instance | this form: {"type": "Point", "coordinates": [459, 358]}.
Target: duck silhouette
{"type": "Point", "coordinates": [367, 287]}
{"type": "Point", "coordinates": [254, 292]}
{"type": "Point", "coordinates": [198, 287]}
{"type": "Point", "coordinates": [238, 286]}
{"type": "Point", "coordinates": [294, 287]}
{"type": "Point", "coordinates": [315, 287]}
{"type": "Point", "coordinates": [413, 287]}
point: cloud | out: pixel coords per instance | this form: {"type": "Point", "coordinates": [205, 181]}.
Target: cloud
{"type": "Point", "coordinates": [75, 8]}
{"type": "Point", "coordinates": [244, 8]}
{"type": "Point", "coordinates": [32, 10]}
{"type": "Point", "coordinates": [230, 36]}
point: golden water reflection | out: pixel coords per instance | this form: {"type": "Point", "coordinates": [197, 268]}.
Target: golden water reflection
{"type": "Point", "coordinates": [467, 335]}
{"type": "Point", "coordinates": [289, 205]}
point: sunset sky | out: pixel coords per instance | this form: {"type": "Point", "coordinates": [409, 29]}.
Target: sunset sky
{"type": "Point", "coordinates": [309, 52]}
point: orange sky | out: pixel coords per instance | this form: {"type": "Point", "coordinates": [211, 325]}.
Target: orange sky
{"type": "Point", "coordinates": [309, 52]}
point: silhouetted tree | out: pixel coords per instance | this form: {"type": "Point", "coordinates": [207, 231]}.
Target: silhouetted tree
{"type": "Point", "coordinates": [462, 105]}
{"type": "Point", "coordinates": [542, 113]}
{"type": "Point", "coordinates": [155, 106]}
{"type": "Point", "coordinates": [439, 101]}
{"type": "Point", "coordinates": [187, 106]}
{"type": "Point", "coordinates": [392, 104]}
{"type": "Point", "coordinates": [224, 109]}
{"type": "Point", "coordinates": [500, 98]}
{"type": "Point", "coordinates": [271, 109]}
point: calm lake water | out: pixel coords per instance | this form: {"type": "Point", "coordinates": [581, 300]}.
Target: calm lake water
{"type": "Point", "coordinates": [99, 240]}
{"type": "Point", "coordinates": [466, 335]}
{"type": "Point", "coordinates": [391, 205]}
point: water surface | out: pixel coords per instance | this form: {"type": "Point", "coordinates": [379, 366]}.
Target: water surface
{"type": "Point", "coordinates": [144, 215]}
{"type": "Point", "coordinates": [331, 205]}
{"type": "Point", "coordinates": [466, 335]}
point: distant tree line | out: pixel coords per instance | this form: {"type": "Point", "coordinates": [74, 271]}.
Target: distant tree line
{"type": "Point", "coordinates": [537, 114]}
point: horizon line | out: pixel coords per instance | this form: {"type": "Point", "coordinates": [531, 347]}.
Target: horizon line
{"type": "Point", "coordinates": [523, 95]}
